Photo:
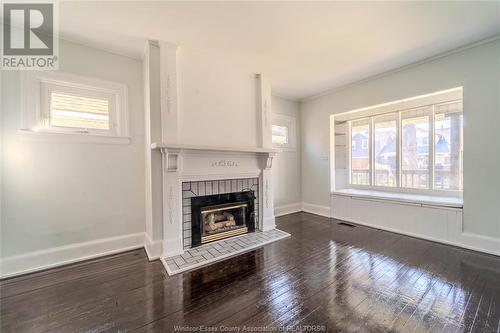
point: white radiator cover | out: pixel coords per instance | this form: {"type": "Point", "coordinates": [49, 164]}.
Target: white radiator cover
{"type": "Point", "coordinates": [440, 224]}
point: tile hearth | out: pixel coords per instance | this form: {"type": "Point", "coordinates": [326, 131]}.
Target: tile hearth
{"type": "Point", "coordinates": [217, 251]}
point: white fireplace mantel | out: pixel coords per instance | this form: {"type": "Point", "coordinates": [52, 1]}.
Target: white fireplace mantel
{"type": "Point", "coordinates": [185, 163]}
{"type": "Point", "coordinates": [159, 145]}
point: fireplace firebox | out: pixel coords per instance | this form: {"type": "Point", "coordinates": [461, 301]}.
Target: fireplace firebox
{"type": "Point", "coordinates": [220, 216]}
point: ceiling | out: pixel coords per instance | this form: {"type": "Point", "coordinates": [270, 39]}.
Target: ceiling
{"type": "Point", "coordinates": [305, 47]}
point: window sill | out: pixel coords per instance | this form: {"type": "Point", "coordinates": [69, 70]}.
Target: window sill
{"type": "Point", "coordinates": [44, 136]}
{"type": "Point", "coordinates": [418, 199]}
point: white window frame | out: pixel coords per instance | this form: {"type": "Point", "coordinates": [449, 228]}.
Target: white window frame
{"type": "Point", "coordinates": [291, 123]}
{"type": "Point", "coordinates": [398, 108]}
{"type": "Point", "coordinates": [35, 114]}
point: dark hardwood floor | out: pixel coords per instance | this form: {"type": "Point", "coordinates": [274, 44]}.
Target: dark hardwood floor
{"type": "Point", "coordinates": [330, 275]}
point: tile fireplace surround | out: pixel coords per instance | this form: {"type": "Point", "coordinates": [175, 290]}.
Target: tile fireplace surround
{"type": "Point", "coordinates": [189, 171]}
{"type": "Point", "coordinates": [201, 188]}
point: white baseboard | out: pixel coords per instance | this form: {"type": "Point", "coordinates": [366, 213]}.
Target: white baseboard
{"type": "Point", "coordinates": [153, 248]}
{"type": "Point", "coordinates": [480, 243]}
{"type": "Point", "coordinates": [287, 209]}
{"type": "Point", "coordinates": [316, 209]}
{"type": "Point", "coordinates": [63, 255]}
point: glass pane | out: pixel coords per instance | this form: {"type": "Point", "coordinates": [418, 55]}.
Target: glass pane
{"type": "Point", "coordinates": [360, 152]}
{"type": "Point", "coordinates": [385, 150]}
{"type": "Point", "coordinates": [280, 134]}
{"type": "Point", "coordinates": [415, 148]}
{"type": "Point", "coordinates": [448, 147]}
{"type": "Point", "coordinates": [68, 110]}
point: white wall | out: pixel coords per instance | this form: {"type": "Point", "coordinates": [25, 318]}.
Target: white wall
{"type": "Point", "coordinates": [217, 101]}
{"type": "Point", "coordinates": [478, 71]}
{"type": "Point", "coordinates": [286, 166]}
{"type": "Point", "coordinates": [62, 194]}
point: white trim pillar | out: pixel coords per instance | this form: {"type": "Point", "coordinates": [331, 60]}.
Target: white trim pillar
{"type": "Point", "coordinates": [267, 190]}
{"type": "Point", "coordinates": [172, 196]}
{"type": "Point", "coordinates": [169, 92]}
{"type": "Point", "coordinates": [264, 111]}
{"type": "Point", "coordinates": [153, 171]}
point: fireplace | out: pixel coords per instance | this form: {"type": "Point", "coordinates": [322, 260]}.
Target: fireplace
{"type": "Point", "coordinates": [219, 216]}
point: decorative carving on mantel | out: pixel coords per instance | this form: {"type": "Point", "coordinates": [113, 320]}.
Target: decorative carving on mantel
{"type": "Point", "coordinates": [170, 210]}
{"type": "Point", "coordinates": [172, 157]}
{"type": "Point", "coordinates": [224, 163]}
{"type": "Point", "coordinates": [265, 114]}
{"type": "Point", "coordinates": [167, 95]}
{"type": "Point", "coordinates": [266, 194]}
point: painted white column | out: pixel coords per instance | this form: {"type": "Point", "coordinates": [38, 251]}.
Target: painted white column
{"type": "Point", "coordinates": [267, 204]}
{"type": "Point", "coordinates": [153, 171]}
{"type": "Point", "coordinates": [264, 111]}
{"type": "Point", "coordinates": [161, 125]}
{"type": "Point", "coordinates": [172, 196]}
{"type": "Point", "coordinates": [169, 92]}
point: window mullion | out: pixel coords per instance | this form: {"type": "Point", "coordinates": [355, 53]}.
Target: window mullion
{"type": "Point", "coordinates": [398, 150]}
{"type": "Point", "coordinates": [371, 146]}
{"type": "Point", "coordinates": [349, 152]}
{"type": "Point", "coordinates": [431, 148]}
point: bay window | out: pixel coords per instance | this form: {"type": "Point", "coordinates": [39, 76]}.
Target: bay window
{"type": "Point", "coordinates": [417, 148]}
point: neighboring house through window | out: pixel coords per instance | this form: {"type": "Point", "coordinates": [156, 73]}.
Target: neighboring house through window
{"type": "Point", "coordinates": [417, 148]}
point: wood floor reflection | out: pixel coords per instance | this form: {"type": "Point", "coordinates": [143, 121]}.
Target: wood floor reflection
{"type": "Point", "coordinates": [342, 278]}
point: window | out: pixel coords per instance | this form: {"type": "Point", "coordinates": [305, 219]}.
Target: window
{"type": "Point", "coordinates": [280, 135]}
{"type": "Point", "coordinates": [62, 103]}
{"type": "Point", "coordinates": [418, 148]}
{"type": "Point", "coordinates": [385, 150]}
{"type": "Point", "coordinates": [284, 132]}
{"type": "Point", "coordinates": [72, 110]}
{"type": "Point", "coordinates": [360, 153]}
{"type": "Point", "coordinates": [448, 146]}
{"type": "Point", "coordinates": [415, 148]}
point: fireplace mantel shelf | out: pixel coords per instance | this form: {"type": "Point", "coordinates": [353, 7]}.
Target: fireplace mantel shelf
{"type": "Point", "coordinates": [160, 145]}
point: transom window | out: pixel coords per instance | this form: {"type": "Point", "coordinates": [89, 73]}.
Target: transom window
{"type": "Point", "coordinates": [64, 103]}
{"type": "Point", "coordinates": [68, 109]}
{"type": "Point", "coordinates": [280, 135]}
{"type": "Point", "coordinates": [419, 148]}
{"type": "Point", "coordinates": [284, 132]}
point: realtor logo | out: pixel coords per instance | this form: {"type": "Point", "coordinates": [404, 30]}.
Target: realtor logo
{"type": "Point", "coordinates": [29, 36]}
